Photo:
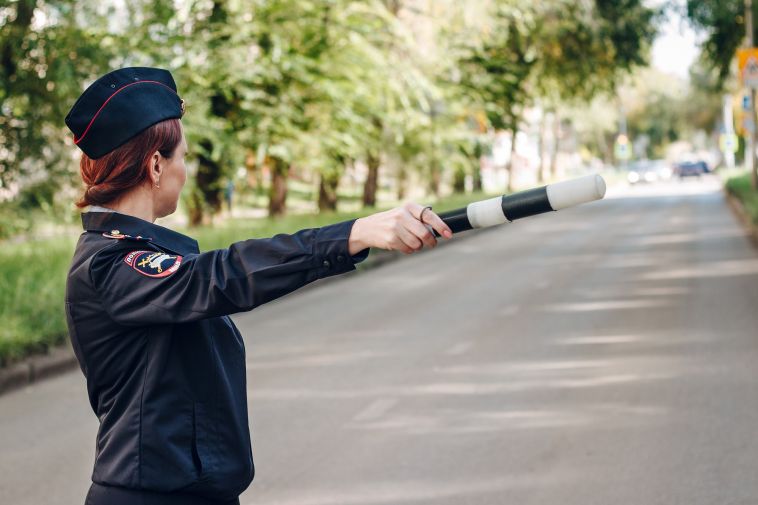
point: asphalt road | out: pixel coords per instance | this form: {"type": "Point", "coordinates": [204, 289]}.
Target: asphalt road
{"type": "Point", "coordinates": [606, 354]}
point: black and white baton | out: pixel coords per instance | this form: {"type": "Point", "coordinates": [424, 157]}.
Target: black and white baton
{"type": "Point", "coordinates": [507, 208]}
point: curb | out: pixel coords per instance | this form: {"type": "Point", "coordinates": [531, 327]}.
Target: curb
{"type": "Point", "coordinates": [36, 367]}
{"type": "Point", "coordinates": [739, 210]}
{"type": "Point", "coordinates": [61, 358]}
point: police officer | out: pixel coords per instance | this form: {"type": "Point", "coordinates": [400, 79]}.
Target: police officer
{"type": "Point", "coordinates": [147, 312]}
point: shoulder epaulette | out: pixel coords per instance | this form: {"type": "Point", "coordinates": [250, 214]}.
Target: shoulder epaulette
{"type": "Point", "coordinates": [116, 234]}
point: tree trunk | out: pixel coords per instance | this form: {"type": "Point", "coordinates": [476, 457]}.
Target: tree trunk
{"type": "Point", "coordinates": [252, 171]}
{"type": "Point", "coordinates": [434, 179]}
{"type": "Point", "coordinates": [477, 179]}
{"type": "Point", "coordinates": [605, 148]}
{"type": "Point", "coordinates": [327, 191]}
{"type": "Point", "coordinates": [541, 148]}
{"type": "Point", "coordinates": [195, 208]}
{"type": "Point", "coordinates": [277, 195]}
{"type": "Point", "coordinates": [394, 6]}
{"type": "Point", "coordinates": [372, 181]}
{"type": "Point", "coordinates": [20, 25]}
{"type": "Point", "coordinates": [459, 180]}
{"type": "Point", "coordinates": [556, 145]}
{"type": "Point", "coordinates": [478, 176]}
{"type": "Point", "coordinates": [207, 179]}
{"type": "Point", "coordinates": [509, 165]}
{"type": "Point", "coordinates": [402, 179]}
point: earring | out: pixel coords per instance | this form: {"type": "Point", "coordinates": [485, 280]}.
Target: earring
{"type": "Point", "coordinates": [157, 185]}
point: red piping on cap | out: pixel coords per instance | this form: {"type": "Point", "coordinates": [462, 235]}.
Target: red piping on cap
{"type": "Point", "coordinates": [76, 141]}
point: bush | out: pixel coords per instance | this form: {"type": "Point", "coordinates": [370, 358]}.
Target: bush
{"type": "Point", "coordinates": [741, 187]}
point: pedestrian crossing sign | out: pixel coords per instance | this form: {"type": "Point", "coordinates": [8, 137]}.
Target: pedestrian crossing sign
{"type": "Point", "coordinates": [747, 59]}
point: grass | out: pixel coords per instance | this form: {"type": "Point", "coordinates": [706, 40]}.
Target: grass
{"type": "Point", "coordinates": [31, 296]}
{"type": "Point", "coordinates": [740, 186]}
{"type": "Point", "coordinates": [33, 273]}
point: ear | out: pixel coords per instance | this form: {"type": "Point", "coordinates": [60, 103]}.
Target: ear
{"type": "Point", "coordinates": [156, 168]}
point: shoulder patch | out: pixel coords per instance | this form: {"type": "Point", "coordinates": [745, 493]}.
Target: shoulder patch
{"type": "Point", "coordinates": [120, 236]}
{"type": "Point", "coordinates": [152, 263]}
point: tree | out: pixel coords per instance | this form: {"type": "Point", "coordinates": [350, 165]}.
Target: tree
{"type": "Point", "coordinates": [39, 82]}
{"type": "Point", "coordinates": [723, 23]}
{"type": "Point", "coordinates": [587, 49]}
{"type": "Point", "coordinates": [496, 71]}
{"type": "Point", "coordinates": [252, 65]}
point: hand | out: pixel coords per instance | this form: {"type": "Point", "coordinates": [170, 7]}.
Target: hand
{"type": "Point", "coordinates": [397, 229]}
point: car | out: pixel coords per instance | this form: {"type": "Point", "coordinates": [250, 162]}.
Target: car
{"type": "Point", "coordinates": [647, 171]}
{"type": "Point", "coordinates": [663, 169]}
{"type": "Point", "coordinates": [691, 168]}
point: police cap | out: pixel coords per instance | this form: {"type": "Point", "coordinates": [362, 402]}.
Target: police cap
{"type": "Point", "coordinates": [121, 104]}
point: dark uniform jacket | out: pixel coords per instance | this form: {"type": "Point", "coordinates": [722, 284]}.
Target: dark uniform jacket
{"type": "Point", "coordinates": [165, 366]}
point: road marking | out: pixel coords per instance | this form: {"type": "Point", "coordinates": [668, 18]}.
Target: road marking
{"type": "Point", "coordinates": [376, 409]}
{"type": "Point", "coordinates": [607, 305]}
{"type": "Point", "coordinates": [459, 348]}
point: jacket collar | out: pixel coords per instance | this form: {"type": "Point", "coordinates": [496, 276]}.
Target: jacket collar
{"type": "Point", "coordinates": [108, 222]}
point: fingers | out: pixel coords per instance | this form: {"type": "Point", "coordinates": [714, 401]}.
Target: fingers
{"type": "Point", "coordinates": [410, 242]}
{"type": "Point", "coordinates": [430, 218]}
{"type": "Point", "coordinates": [437, 224]}
{"type": "Point", "coordinates": [421, 232]}
{"type": "Point", "coordinates": [403, 231]}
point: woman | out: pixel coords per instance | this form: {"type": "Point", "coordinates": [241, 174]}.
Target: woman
{"type": "Point", "coordinates": [148, 313]}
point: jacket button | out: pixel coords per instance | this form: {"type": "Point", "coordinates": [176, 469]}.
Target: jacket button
{"type": "Point", "coordinates": [326, 264]}
{"type": "Point", "coordinates": [340, 258]}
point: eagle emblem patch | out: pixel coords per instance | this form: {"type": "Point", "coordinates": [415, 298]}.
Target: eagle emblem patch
{"type": "Point", "coordinates": [153, 264]}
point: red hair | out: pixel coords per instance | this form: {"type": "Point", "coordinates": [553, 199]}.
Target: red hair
{"type": "Point", "coordinates": [108, 177]}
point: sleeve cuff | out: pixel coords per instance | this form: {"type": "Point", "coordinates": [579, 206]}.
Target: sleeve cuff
{"type": "Point", "coordinates": [331, 250]}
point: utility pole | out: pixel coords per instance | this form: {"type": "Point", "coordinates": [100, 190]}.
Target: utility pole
{"type": "Point", "coordinates": [751, 137]}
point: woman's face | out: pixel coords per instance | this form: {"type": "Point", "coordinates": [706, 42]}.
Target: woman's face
{"type": "Point", "coordinates": [173, 177]}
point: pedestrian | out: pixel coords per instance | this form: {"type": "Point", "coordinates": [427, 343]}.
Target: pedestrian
{"type": "Point", "coordinates": [147, 312]}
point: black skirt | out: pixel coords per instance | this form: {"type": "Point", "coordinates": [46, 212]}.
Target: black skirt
{"type": "Point", "coordinates": [107, 495]}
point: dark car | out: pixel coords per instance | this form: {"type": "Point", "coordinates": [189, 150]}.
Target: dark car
{"type": "Point", "coordinates": [690, 168]}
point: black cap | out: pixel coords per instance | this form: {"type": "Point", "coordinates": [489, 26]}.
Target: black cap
{"type": "Point", "coordinates": [121, 104]}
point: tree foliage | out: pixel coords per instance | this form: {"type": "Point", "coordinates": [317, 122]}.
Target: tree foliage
{"type": "Point", "coordinates": [723, 23]}
{"type": "Point", "coordinates": [312, 88]}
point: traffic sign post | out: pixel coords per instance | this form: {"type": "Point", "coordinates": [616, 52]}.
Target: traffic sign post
{"type": "Point", "coordinates": [747, 59]}
{"type": "Point", "coordinates": [622, 150]}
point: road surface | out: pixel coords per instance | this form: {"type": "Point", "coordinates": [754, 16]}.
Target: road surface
{"type": "Point", "coordinates": [606, 354]}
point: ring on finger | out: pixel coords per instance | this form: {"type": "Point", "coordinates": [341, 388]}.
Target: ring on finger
{"type": "Point", "coordinates": [421, 216]}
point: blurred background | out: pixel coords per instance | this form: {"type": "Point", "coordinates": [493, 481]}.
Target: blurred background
{"type": "Point", "coordinates": [303, 113]}
{"type": "Point", "coordinates": [310, 108]}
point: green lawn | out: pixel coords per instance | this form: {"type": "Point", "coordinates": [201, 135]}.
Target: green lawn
{"type": "Point", "coordinates": [34, 272]}
{"type": "Point", "coordinates": [740, 186]}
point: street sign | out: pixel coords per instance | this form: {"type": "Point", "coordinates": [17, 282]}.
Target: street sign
{"type": "Point", "coordinates": [747, 59]}
{"type": "Point", "coordinates": [622, 150]}
{"type": "Point", "coordinates": [728, 142]}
